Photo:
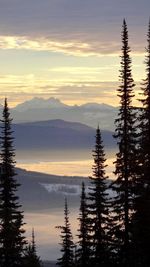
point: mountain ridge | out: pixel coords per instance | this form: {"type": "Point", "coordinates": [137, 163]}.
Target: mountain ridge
{"type": "Point", "coordinates": [57, 134]}
{"type": "Point", "coordinates": [35, 102]}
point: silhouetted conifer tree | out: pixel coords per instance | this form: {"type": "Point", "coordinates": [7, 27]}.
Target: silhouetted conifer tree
{"type": "Point", "coordinates": [11, 218]}
{"type": "Point", "coordinates": [67, 245]}
{"type": "Point", "coordinates": [84, 251]}
{"type": "Point", "coordinates": [31, 259]}
{"type": "Point", "coordinates": [98, 207]}
{"type": "Point", "coordinates": [126, 157]}
{"type": "Point", "coordinates": [141, 218]}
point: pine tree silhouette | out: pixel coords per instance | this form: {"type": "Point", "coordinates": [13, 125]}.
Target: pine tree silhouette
{"type": "Point", "coordinates": [11, 218]}
{"type": "Point", "coordinates": [31, 259]}
{"type": "Point", "coordinates": [141, 217]}
{"type": "Point", "coordinates": [84, 250]}
{"type": "Point", "coordinates": [67, 244]}
{"type": "Point", "coordinates": [98, 207]}
{"type": "Point", "coordinates": [126, 157]}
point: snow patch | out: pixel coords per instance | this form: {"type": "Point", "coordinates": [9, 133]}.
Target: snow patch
{"type": "Point", "coordinates": [73, 190]}
{"type": "Point", "coordinates": [64, 189]}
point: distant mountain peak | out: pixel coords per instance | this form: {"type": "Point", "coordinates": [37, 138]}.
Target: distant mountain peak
{"type": "Point", "coordinates": [40, 103]}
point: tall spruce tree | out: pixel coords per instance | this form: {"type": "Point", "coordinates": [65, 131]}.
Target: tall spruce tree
{"type": "Point", "coordinates": [11, 218]}
{"type": "Point", "coordinates": [84, 251]}
{"type": "Point", "coordinates": [141, 218]}
{"type": "Point", "coordinates": [125, 163]}
{"type": "Point", "coordinates": [31, 259]}
{"type": "Point", "coordinates": [67, 245]}
{"type": "Point", "coordinates": [98, 207]}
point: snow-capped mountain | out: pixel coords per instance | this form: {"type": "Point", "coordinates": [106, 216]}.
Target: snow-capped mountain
{"type": "Point", "coordinates": [40, 103]}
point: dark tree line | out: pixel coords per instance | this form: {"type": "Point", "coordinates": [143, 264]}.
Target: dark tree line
{"type": "Point", "coordinates": [116, 232]}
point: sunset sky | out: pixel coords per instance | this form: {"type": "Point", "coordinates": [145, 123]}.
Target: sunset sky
{"type": "Point", "coordinates": [68, 49]}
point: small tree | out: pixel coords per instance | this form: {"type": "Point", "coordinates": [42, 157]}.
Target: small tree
{"type": "Point", "coordinates": [84, 251]}
{"type": "Point", "coordinates": [98, 206]}
{"type": "Point", "coordinates": [67, 241]}
{"type": "Point", "coordinates": [11, 218]}
{"type": "Point", "coordinates": [31, 259]}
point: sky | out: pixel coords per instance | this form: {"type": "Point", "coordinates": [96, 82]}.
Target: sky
{"type": "Point", "coordinates": [69, 49]}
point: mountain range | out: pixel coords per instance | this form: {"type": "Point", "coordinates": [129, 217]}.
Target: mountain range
{"type": "Point", "coordinates": [91, 114]}
{"type": "Point", "coordinates": [57, 134]}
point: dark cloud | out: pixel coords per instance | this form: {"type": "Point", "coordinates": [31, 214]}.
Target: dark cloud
{"type": "Point", "coordinates": [65, 19]}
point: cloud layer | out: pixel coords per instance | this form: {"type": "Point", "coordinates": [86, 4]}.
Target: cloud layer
{"type": "Point", "coordinates": [68, 49]}
{"type": "Point", "coordinates": [73, 47]}
{"type": "Point", "coordinates": [81, 27]}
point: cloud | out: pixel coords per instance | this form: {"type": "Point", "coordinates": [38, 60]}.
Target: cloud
{"type": "Point", "coordinates": [82, 74]}
{"type": "Point", "coordinates": [81, 39]}
{"type": "Point", "coordinates": [73, 27]}
{"type": "Point", "coordinates": [19, 88]}
{"type": "Point", "coordinates": [77, 90]}
{"type": "Point", "coordinates": [72, 47]}
{"type": "Point", "coordinates": [82, 70]}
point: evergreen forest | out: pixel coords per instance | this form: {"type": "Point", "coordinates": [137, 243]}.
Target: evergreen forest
{"type": "Point", "coordinates": [112, 231]}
